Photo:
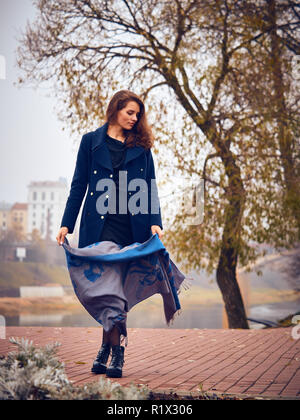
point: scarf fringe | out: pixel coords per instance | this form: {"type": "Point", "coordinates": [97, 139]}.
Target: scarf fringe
{"type": "Point", "coordinates": [172, 320]}
{"type": "Point", "coordinates": [125, 339]}
{"type": "Point", "coordinates": [186, 284]}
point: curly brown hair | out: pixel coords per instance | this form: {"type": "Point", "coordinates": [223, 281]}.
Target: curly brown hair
{"type": "Point", "coordinates": [141, 133]}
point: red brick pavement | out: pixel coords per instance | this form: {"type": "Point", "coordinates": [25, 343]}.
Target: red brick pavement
{"type": "Point", "coordinates": [240, 362]}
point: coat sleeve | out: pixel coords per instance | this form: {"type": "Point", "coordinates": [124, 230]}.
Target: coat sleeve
{"type": "Point", "coordinates": [78, 185]}
{"type": "Point", "coordinates": [153, 199]}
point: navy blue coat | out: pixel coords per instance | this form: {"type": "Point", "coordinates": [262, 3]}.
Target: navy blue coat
{"type": "Point", "coordinates": [93, 164]}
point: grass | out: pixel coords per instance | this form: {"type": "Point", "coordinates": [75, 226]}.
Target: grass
{"type": "Point", "coordinates": [15, 274]}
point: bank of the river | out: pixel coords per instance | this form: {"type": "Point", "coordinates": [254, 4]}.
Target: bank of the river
{"type": "Point", "coordinates": [15, 306]}
{"type": "Point", "coordinates": [191, 299]}
{"type": "Point", "coordinates": [14, 274]}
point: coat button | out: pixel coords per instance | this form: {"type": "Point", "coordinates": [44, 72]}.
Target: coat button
{"type": "Point", "coordinates": [111, 175]}
{"type": "Point", "coordinates": [102, 217]}
{"type": "Point", "coordinates": [95, 172]}
{"type": "Point", "coordinates": [107, 196]}
{"type": "Point", "coordinates": [142, 169]}
{"type": "Point", "coordinates": [132, 214]}
{"type": "Point", "coordinates": [92, 193]}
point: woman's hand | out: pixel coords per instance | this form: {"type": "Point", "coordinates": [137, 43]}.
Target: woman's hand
{"type": "Point", "coordinates": [156, 229]}
{"type": "Point", "coordinates": [61, 235]}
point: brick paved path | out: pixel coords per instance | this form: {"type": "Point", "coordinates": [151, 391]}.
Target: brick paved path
{"type": "Point", "coordinates": [247, 362]}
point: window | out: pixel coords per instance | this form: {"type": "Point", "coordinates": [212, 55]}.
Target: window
{"type": "Point", "coordinates": [43, 196]}
{"type": "Point", "coordinates": [34, 196]}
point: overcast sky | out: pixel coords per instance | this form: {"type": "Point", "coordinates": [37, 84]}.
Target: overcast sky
{"type": "Point", "coordinates": [33, 146]}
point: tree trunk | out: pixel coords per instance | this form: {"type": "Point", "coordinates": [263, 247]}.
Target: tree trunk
{"type": "Point", "coordinates": [227, 282]}
{"type": "Point", "coordinates": [226, 271]}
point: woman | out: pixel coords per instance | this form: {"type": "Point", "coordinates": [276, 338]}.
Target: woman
{"type": "Point", "coordinates": [112, 161]}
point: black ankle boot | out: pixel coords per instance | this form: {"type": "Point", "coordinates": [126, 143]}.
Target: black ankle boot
{"type": "Point", "coordinates": [99, 365]}
{"type": "Point", "coordinates": [117, 360]}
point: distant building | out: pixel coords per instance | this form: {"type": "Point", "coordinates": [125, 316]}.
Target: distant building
{"type": "Point", "coordinates": [18, 218]}
{"type": "Point", "coordinates": [46, 204]}
{"type": "Point", "coordinates": [4, 217]}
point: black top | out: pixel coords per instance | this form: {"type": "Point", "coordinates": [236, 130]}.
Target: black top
{"type": "Point", "coordinates": [117, 227]}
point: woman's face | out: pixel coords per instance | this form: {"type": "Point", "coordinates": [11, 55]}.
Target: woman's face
{"type": "Point", "coordinates": [128, 116]}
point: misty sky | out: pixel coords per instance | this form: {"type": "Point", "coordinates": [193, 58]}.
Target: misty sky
{"type": "Point", "coordinates": [33, 146]}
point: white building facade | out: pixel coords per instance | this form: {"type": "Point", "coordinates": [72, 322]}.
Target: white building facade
{"type": "Point", "coordinates": [46, 204]}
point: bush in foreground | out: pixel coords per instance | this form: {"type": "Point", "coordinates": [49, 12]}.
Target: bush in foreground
{"type": "Point", "coordinates": [32, 373]}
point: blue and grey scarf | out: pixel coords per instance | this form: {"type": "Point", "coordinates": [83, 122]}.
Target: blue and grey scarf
{"type": "Point", "coordinates": [109, 279]}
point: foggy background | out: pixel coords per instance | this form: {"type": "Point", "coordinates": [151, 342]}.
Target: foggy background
{"type": "Point", "coordinates": [33, 146]}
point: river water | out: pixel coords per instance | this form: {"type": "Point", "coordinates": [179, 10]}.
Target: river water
{"type": "Point", "coordinates": [206, 316]}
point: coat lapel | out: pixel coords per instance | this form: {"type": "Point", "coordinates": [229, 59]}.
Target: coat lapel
{"type": "Point", "coordinates": [103, 155]}
{"type": "Point", "coordinates": [132, 153]}
{"type": "Point", "coordinates": [100, 149]}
